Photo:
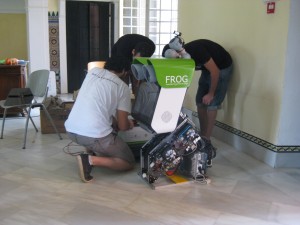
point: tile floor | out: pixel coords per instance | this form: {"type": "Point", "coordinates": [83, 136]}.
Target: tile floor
{"type": "Point", "coordinates": [40, 185]}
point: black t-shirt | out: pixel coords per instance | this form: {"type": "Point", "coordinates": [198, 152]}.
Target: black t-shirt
{"type": "Point", "coordinates": [126, 43]}
{"type": "Point", "coordinates": [202, 50]}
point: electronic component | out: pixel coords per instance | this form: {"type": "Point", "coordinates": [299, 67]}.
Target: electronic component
{"type": "Point", "coordinates": [180, 152]}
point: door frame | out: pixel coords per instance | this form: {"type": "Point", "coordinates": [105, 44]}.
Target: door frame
{"type": "Point", "coordinates": [63, 40]}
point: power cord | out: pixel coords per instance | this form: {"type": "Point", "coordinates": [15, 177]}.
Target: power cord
{"type": "Point", "coordinates": [202, 179]}
{"type": "Point", "coordinates": [66, 149]}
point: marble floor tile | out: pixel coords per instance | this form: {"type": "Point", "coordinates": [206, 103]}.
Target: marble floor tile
{"type": "Point", "coordinates": [40, 185]}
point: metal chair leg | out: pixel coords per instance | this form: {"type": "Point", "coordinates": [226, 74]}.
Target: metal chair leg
{"type": "Point", "coordinates": [28, 113]}
{"type": "Point", "coordinates": [3, 122]}
{"type": "Point", "coordinates": [26, 126]}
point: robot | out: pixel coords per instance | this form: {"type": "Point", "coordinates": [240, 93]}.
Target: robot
{"type": "Point", "coordinates": [176, 151]}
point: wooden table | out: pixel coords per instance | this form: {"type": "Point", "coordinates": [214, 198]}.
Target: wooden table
{"type": "Point", "coordinates": [11, 76]}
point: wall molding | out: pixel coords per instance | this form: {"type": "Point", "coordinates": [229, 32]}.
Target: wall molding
{"type": "Point", "coordinates": [258, 141]}
{"type": "Point", "coordinates": [12, 11]}
{"type": "Point", "coordinates": [273, 155]}
{"type": "Point", "coordinates": [253, 139]}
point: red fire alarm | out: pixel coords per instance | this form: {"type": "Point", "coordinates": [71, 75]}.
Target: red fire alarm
{"type": "Point", "coordinates": [270, 7]}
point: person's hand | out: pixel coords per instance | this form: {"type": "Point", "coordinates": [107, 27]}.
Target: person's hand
{"type": "Point", "coordinates": [115, 124]}
{"type": "Point", "coordinates": [176, 44]}
{"type": "Point", "coordinates": [184, 54]}
{"type": "Point", "coordinates": [207, 99]}
{"type": "Point", "coordinates": [171, 54]}
{"type": "Point", "coordinates": [131, 123]}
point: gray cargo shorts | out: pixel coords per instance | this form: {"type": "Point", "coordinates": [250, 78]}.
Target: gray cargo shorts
{"type": "Point", "coordinates": [108, 146]}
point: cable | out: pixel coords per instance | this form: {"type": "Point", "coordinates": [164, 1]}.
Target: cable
{"type": "Point", "coordinates": [202, 179]}
{"type": "Point", "coordinates": [66, 149]}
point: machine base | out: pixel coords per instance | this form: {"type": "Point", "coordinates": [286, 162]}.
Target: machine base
{"type": "Point", "coordinates": [174, 180]}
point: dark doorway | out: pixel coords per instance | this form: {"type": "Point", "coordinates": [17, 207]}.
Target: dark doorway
{"type": "Point", "coordinates": [89, 31]}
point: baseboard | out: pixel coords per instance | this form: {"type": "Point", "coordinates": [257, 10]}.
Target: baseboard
{"type": "Point", "coordinates": [272, 155]}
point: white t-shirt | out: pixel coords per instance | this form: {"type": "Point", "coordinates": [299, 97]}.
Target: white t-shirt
{"type": "Point", "coordinates": [100, 96]}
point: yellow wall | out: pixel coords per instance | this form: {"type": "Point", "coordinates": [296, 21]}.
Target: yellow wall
{"type": "Point", "coordinates": [257, 42]}
{"type": "Point", "coordinates": [52, 5]}
{"type": "Point", "coordinates": [13, 38]}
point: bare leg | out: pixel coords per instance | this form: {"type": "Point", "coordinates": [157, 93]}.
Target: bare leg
{"type": "Point", "coordinates": [202, 115]}
{"type": "Point", "coordinates": [111, 163]}
{"type": "Point", "coordinates": [207, 120]}
{"type": "Point", "coordinates": [211, 118]}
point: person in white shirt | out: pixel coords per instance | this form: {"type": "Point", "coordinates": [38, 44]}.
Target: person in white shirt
{"type": "Point", "coordinates": [101, 107]}
{"type": "Point", "coordinates": [132, 46]}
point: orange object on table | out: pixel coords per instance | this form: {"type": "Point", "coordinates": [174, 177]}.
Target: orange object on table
{"type": "Point", "coordinates": [11, 61]}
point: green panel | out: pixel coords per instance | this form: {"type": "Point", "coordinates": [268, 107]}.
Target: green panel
{"type": "Point", "coordinates": [141, 60]}
{"type": "Point", "coordinates": [171, 73]}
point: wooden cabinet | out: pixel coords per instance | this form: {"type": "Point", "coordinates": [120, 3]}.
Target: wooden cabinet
{"type": "Point", "coordinates": [11, 77]}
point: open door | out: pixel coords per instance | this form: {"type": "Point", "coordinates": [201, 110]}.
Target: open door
{"type": "Point", "coordinates": [89, 31]}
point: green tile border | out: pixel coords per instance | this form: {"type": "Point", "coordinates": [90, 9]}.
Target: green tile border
{"type": "Point", "coordinates": [258, 141]}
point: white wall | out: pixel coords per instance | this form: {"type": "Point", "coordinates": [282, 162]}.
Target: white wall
{"type": "Point", "coordinates": [12, 6]}
{"type": "Point", "coordinates": [38, 34]}
{"type": "Point", "coordinates": [289, 128]}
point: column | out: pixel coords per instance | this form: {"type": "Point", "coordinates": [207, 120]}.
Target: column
{"type": "Point", "coordinates": [37, 34]}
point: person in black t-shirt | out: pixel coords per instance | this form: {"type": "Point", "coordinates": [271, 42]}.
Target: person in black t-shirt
{"type": "Point", "coordinates": [130, 46]}
{"type": "Point", "coordinates": [133, 45]}
{"type": "Point", "coordinates": [216, 65]}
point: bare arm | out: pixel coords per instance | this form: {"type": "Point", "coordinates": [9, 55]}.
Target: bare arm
{"type": "Point", "coordinates": [123, 122]}
{"type": "Point", "coordinates": [214, 74]}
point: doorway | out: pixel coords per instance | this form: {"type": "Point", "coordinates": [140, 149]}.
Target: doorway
{"type": "Point", "coordinates": [89, 36]}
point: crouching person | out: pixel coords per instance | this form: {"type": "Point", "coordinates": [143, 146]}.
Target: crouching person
{"type": "Point", "coordinates": [102, 105]}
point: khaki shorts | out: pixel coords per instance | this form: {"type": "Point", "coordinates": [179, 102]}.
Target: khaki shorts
{"type": "Point", "coordinates": [108, 146]}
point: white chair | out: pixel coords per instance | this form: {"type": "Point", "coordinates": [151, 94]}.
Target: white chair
{"type": "Point", "coordinates": [28, 98]}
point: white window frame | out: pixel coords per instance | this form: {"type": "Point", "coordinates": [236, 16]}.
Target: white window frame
{"type": "Point", "coordinates": [158, 29]}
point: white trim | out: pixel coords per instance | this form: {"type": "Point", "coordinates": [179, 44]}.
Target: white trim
{"type": "Point", "coordinates": [289, 126]}
{"type": "Point", "coordinates": [12, 11]}
{"type": "Point", "coordinates": [38, 34]}
{"type": "Point", "coordinates": [63, 47]}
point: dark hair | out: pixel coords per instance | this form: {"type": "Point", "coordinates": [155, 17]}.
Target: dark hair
{"type": "Point", "coordinates": [145, 49]}
{"type": "Point", "coordinates": [117, 64]}
{"type": "Point", "coordinates": [165, 49]}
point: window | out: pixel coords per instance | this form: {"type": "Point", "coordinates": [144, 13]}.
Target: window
{"type": "Point", "coordinates": [156, 19]}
